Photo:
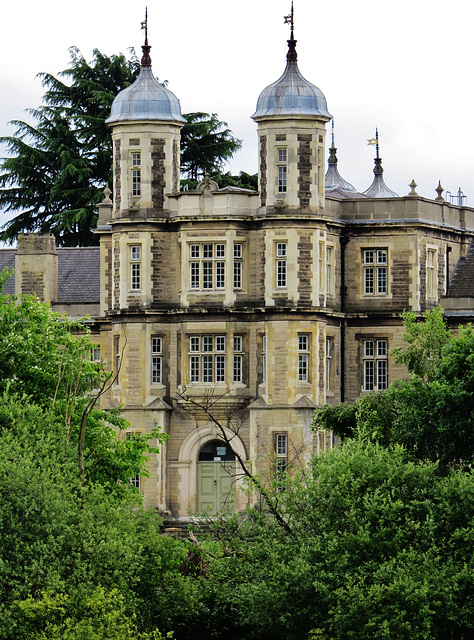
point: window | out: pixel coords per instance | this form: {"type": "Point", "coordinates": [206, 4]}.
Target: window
{"type": "Point", "coordinates": [207, 266]}
{"type": "Point", "coordinates": [207, 358]}
{"type": "Point", "coordinates": [264, 358]}
{"type": "Point", "coordinates": [156, 360]}
{"type": "Point", "coordinates": [321, 267]}
{"type": "Point", "coordinates": [135, 267]}
{"type": "Point", "coordinates": [136, 174]}
{"type": "Point", "coordinates": [431, 273]}
{"type": "Point", "coordinates": [134, 480]}
{"type": "Point", "coordinates": [238, 359]}
{"type": "Point", "coordinates": [281, 265]}
{"type": "Point", "coordinates": [303, 357]}
{"type": "Point", "coordinates": [329, 269]}
{"type": "Point", "coordinates": [375, 362]}
{"type": "Point", "coordinates": [238, 257]}
{"type": "Point", "coordinates": [282, 170]}
{"type": "Point", "coordinates": [375, 271]}
{"type": "Point", "coordinates": [329, 364]}
{"type": "Point", "coordinates": [281, 454]}
{"type": "Point", "coordinates": [94, 353]}
{"type": "Point", "coordinates": [117, 359]}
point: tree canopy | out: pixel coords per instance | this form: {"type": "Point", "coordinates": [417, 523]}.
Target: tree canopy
{"type": "Point", "coordinates": [206, 144]}
{"type": "Point", "coordinates": [57, 167]}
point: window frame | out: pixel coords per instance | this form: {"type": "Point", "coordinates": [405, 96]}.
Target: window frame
{"type": "Point", "coordinates": [207, 358]}
{"type": "Point", "coordinates": [281, 264]}
{"type": "Point", "coordinates": [432, 272]}
{"type": "Point", "coordinates": [136, 173]}
{"type": "Point", "coordinates": [375, 364]}
{"type": "Point", "coordinates": [375, 271]}
{"type": "Point", "coordinates": [304, 357]}
{"type": "Point", "coordinates": [135, 267]}
{"type": "Point", "coordinates": [156, 360]}
{"type": "Point", "coordinates": [207, 266]}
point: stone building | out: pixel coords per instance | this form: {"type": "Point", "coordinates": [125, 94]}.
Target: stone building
{"type": "Point", "coordinates": [256, 307]}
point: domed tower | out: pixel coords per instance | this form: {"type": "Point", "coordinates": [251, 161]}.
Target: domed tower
{"type": "Point", "coordinates": [146, 121]}
{"type": "Point", "coordinates": [291, 115]}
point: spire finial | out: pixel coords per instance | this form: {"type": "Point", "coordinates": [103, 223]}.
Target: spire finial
{"type": "Point", "coordinates": [378, 160]}
{"type": "Point", "coordinates": [146, 60]}
{"type": "Point", "coordinates": [289, 19]}
{"type": "Point", "coordinates": [332, 149]}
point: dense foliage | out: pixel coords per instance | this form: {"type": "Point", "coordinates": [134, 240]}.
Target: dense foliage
{"type": "Point", "coordinates": [368, 541]}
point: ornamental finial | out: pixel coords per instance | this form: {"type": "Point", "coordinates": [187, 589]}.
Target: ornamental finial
{"type": "Point", "coordinates": [290, 19]}
{"type": "Point", "coordinates": [146, 60]}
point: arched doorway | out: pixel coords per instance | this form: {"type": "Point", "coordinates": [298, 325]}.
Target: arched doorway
{"type": "Point", "coordinates": [215, 477]}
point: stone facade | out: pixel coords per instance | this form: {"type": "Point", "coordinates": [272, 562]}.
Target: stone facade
{"type": "Point", "coordinates": [255, 306]}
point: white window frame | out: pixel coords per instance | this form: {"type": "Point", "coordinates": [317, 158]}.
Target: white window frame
{"type": "Point", "coordinates": [238, 365]}
{"type": "Point", "coordinates": [303, 357]}
{"type": "Point", "coordinates": [281, 250]}
{"type": "Point", "coordinates": [207, 266]}
{"type": "Point", "coordinates": [156, 360]}
{"type": "Point", "coordinates": [432, 272]}
{"type": "Point", "coordinates": [375, 364]}
{"type": "Point", "coordinates": [375, 271]}
{"type": "Point", "coordinates": [329, 269]}
{"type": "Point", "coordinates": [238, 265]}
{"type": "Point", "coordinates": [207, 359]}
{"type": "Point", "coordinates": [135, 267]}
{"type": "Point", "coordinates": [264, 358]}
{"type": "Point", "coordinates": [281, 455]}
{"type": "Point", "coordinates": [136, 174]}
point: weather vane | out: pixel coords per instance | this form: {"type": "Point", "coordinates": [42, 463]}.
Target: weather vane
{"type": "Point", "coordinates": [375, 141]}
{"type": "Point", "coordinates": [290, 20]}
{"type": "Point", "coordinates": [145, 25]}
{"type": "Point", "coordinates": [146, 60]}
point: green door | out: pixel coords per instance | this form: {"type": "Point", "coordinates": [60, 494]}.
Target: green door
{"type": "Point", "coordinates": [215, 478]}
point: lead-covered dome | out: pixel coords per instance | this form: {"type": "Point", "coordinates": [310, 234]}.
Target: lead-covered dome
{"type": "Point", "coordinates": [292, 94]}
{"type": "Point", "coordinates": [145, 99]}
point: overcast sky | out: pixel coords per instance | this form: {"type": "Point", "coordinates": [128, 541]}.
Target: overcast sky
{"type": "Point", "coordinates": [402, 67]}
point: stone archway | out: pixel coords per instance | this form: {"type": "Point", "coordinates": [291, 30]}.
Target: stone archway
{"type": "Point", "coordinates": [187, 464]}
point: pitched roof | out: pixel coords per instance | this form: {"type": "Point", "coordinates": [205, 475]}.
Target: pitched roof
{"type": "Point", "coordinates": [78, 274]}
{"type": "Point", "coordinates": [462, 280]}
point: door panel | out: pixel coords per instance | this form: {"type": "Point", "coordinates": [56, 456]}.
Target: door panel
{"type": "Point", "coordinates": [215, 481]}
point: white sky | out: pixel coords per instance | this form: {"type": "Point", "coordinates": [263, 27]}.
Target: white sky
{"type": "Point", "coordinates": [403, 67]}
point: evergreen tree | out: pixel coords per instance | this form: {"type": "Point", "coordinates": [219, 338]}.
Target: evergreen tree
{"type": "Point", "coordinates": [56, 170]}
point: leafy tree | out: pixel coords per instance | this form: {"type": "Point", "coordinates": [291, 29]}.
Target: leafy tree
{"type": "Point", "coordinates": [57, 167]}
{"type": "Point", "coordinates": [206, 144]}
{"type": "Point", "coordinates": [379, 546]}
{"type": "Point", "coordinates": [426, 340]}
{"type": "Point", "coordinates": [432, 415]}
{"type": "Point", "coordinates": [45, 356]}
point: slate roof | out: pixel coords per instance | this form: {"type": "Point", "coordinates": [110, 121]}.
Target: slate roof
{"type": "Point", "coordinates": [78, 274]}
{"type": "Point", "coordinates": [462, 281]}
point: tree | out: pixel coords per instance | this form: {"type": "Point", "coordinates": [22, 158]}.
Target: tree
{"type": "Point", "coordinates": [56, 169]}
{"type": "Point", "coordinates": [432, 415]}
{"type": "Point", "coordinates": [206, 144]}
{"type": "Point", "coordinates": [427, 339]}
{"type": "Point", "coordinates": [44, 356]}
{"type": "Point", "coordinates": [379, 546]}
